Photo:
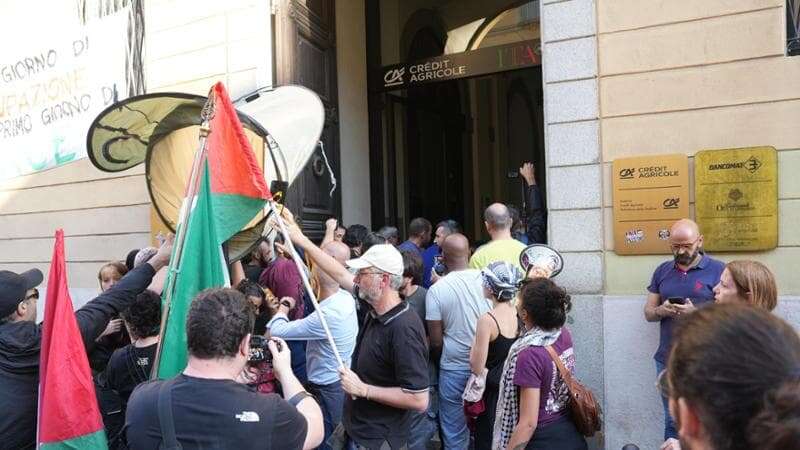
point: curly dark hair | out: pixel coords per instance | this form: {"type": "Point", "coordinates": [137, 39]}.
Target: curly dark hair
{"type": "Point", "coordinates": [355, 234]}
{"type": "Point", "coordinates": [218, 320]}
{"type": "Point", "coordinates": [251, 289]}
{"type": "Point", "coordinates": [263, 313]}
{"type": "Point", "coordinates": [143, 316]}
{"type": "Point", "coordinates": [546, 303]}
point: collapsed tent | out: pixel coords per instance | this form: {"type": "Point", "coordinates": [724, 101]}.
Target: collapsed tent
{"type": "Point", "coordinates": [283, 125]}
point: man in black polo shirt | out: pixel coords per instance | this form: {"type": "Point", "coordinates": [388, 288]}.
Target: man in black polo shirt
{"type": "Point", "coordinates": [389, 375]}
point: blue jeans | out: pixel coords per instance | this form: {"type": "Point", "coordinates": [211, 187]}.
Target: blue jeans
{"type": "Point", "coordinates": [331, 401]}
{"type": "Point", "coordinates": [455, 434]}
{"type": "Point", "coordinates": [425, 424]}
{"type": "Point", "coordinates": [669, 424]}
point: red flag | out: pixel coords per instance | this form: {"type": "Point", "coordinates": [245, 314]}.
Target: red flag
{"type": "Point", "coordinates": [68, 413]}
{"type": "Point", "coordinates": [233, 165]}
{"type": "Point", "coordinates": [237, 183]}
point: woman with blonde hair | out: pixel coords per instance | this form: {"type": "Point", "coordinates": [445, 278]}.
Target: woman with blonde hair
{"type": "Point", "coordinates": [747, 282]}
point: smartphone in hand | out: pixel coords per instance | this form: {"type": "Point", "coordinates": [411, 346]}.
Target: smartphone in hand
{"type": "Point", "coordinates": [677, 300]}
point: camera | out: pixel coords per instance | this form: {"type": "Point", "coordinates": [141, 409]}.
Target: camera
{"type": "Point", "coordinates": [259, 351]}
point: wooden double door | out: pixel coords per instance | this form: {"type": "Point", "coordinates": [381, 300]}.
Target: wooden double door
{"type": "Point", "coordinates": [305, 54]}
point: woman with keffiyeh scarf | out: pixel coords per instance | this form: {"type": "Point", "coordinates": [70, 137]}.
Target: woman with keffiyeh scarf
{"type": "Point", "coordinates": [532, 409]}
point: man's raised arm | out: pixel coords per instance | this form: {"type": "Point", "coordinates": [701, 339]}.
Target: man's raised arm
{"type": "Point", "coordinates": [325, 262]}
{"type": "Point", "coordinates": [93, 317]}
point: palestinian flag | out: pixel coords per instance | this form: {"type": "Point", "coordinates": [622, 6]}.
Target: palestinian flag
{"type": "Point", "coordinates": [232, 191]}
{"type": "Point", "coordinates": [69, 417]}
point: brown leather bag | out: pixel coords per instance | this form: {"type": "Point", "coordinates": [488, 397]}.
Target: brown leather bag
{"type": "Point", "coordinates": [584, 409]}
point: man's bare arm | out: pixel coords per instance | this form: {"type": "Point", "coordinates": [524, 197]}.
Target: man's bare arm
{"type": "Point", "coordinates": [436, 339]}
{"type": "Point", "coordinates": [653, 312]}
{"type": "Point", "coordinates": [325, 261]}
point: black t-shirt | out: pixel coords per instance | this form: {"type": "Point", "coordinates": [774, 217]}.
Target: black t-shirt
{"type": "Point", "coordinates": [128, 367]}
{"type": "Point", "coordinates": [215, 414]}
{"type": "Point", "coordinates": [103, 348]}
{"type": "Point", "coordinates": [253, 272]}
{"type": "Point", "coordinates": [391, 351]}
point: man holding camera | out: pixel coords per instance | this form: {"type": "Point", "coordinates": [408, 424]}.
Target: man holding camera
{"type": "Point", "coordinates": [676, 288]}
{"type": "Point", "coordinates": [208, 405]}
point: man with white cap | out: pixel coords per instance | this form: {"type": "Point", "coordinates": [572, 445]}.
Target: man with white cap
{"type": "Point", "coordinates": [20, 339]}
{"type": "Point", "coordinates": [389, 373]}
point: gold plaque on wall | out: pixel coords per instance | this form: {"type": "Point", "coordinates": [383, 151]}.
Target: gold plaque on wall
{"type": "Point", "coordinates": [736, 198]}
{"type": "Point", "coordinates": [650, 194]}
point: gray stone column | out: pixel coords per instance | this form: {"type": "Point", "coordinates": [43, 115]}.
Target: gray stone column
{"type": "Point", "coordinates": [574, 174]}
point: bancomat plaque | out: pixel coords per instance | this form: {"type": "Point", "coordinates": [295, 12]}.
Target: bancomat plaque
{"type": "Point", "coordinates": [736, 198]}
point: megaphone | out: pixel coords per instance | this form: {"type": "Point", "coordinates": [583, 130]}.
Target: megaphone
{"type": "Point", "coordinates": [541, 260]}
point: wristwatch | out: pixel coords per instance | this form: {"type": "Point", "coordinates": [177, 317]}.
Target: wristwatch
{"type": "Point", "coordinates": [299, 397]}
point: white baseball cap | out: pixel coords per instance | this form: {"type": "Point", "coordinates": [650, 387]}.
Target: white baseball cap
{"type": "Point", "coordinates": [382, 257]}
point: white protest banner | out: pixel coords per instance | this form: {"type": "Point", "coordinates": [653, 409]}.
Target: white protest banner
{"type": "Point", "coordinates": [54, 80]}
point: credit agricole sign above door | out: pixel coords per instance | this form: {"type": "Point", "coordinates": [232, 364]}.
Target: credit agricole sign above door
{"type": "Point", "coordinates": [482, 61]}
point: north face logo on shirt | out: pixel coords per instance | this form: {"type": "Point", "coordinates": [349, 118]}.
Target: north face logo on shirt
{"type": "Point", "coordinates": [248, 416]}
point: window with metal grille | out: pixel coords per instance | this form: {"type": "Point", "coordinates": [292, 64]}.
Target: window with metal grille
{"type": "Point", "coordinates": [792, 27]}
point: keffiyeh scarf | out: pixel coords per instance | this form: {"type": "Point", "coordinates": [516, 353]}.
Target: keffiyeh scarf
{"type": "Point", "coordinates": [508, 400]}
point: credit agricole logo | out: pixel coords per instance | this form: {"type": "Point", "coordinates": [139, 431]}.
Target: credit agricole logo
{"type": "Point", "coordinates": [394, 77]}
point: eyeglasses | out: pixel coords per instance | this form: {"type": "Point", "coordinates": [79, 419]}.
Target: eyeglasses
{"type": "Point", "coordinates": [372, 272]}
{"type": "Point", "coordinates": [676, 247]}
{"type": "Point", "coordinates": [662, 384]}
{"type": "Point", "coordinates": [35, 295]}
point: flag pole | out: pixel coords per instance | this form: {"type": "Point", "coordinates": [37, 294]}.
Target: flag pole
{"type": "Point", "coordinates": [306, 283]}
{"type": "Point", "coordinates": [183, 220]}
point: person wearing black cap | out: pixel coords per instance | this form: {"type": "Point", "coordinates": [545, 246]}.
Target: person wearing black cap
{"type": "Point", "coordinates": [20, 338]}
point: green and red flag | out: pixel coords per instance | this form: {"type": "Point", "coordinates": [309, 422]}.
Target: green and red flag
{"type": "Point", "coordinates": [232, 191]}
{"type": "Point", "coordinates": [69, 417]}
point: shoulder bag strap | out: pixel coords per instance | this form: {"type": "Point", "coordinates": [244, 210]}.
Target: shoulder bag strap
{"type": "Point", "coordinates": [565, 374]}
{"type": "Point", "coordinates": [165, 419]}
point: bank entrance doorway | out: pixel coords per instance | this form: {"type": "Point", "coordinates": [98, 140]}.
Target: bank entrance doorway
{"type": "Point", "coordinates": [451, 147]}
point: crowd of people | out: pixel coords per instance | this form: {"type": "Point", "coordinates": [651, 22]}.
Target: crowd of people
{"type": "Point", "coordinates": [411, 342]}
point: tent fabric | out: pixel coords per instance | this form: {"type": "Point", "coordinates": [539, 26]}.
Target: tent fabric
{"type": "Point", "coordinates": [282, 124]}
{"type": "Point", "coordinates": [121, 135]}
{"type": "Point", "coordinates": [169, 163]}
